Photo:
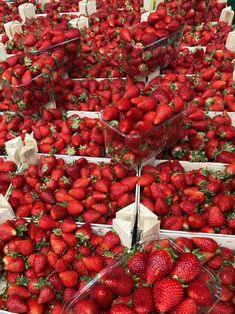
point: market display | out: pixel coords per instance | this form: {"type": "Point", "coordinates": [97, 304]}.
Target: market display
{"type": "Point", "coordinates": [117, 157]}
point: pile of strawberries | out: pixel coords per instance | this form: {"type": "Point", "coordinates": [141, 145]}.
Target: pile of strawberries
{"type": "Point", "coordinates": [8, 12]}
{"type": "Point", "coordinates": [86, 191]}
{"type": "Point", "coordinates": [214, 90]}
{"type": "Point", "coordinates": [44, 265]}
{"type": "Point", "coordinates": [196, 200]}
{"type": "Point", "coordinates": [205, 139]}
{"type": "Point", "coordinates": [27, 81]}
{"type": "Point", "coordinates": [198, 60]}
{"type": "Point", "coordinates": [57, 133]}
{"type": "Point", "coordinates": [135, 123]}
{"type": "Point", "coordinates": [214, 11]}
{"type": "Point", "coordinates": [91, 94]}
{"type": "Point", "coordinates": [219, 260]}
{"type": "Point", "coordinates": [204, 34]}
{"type": "Point", "coordinates": [55, 34]}
{"type": "Point", "coordinates": [154, 280]}
{"type": "Point", "coordinates": [143, 51]}
{"type": "Point", "coordinates": [7, 169]}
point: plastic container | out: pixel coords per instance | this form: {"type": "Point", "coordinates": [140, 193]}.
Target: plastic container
{"type": "Point", "coordinates": [84, 293]}
{"type": "Point", "coordinates": [131, 151]}
{"type": "Point", "coordinates": [29, 97]}
{"type": "Point", "coordinates": [197, 16]}
{"type": "Point", "coordinates": [140, 60]}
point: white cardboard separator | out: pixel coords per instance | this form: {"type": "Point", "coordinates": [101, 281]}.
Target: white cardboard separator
{"type": "Point", "coordinates": [222, 239]}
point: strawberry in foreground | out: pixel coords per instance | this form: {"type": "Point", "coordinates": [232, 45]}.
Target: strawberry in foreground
{"type": "Point", "coordinates": [171, 289]}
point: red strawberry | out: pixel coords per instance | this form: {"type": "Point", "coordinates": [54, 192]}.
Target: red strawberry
{"type": "Point", "coordinates": [199, 292]}
{"type": "Point", "coordinates": [93, 263]}
{"type": "Point", "coordinates": [146, 179]}
{"type": "Point", "coordinates": [216, 217]}
{"type": "Point", "coordinates": [186, 268]}
{"type": "Point", "coordinates": [86, 306]}
{"type": "Point", "coordinates": [137, 264]}
{"type": "Point", "coordinates": [159, 264]}
{"type": "Point", "coordinates": [19, 291]}
{"type": "Point", "coordinates": [110, 113]}
{"type": "Point", "coordinates": [167, 293]}
{"type": "Point", "coordinates": [16, 305]}
{"type": "Point", "coordinates": [110, 240]}
{"type": "Point", "coordinates": [142, 299]}
{"type": "Point", "coordinates": [205, 244]}
{"type": "Point", "coordinates": [120, 284]}
{"type": "Point", "coordinates": [125, 34]}
{"type": "Point", "coordinates": [46, 295]}
{"type": "Point", "coordinates": [121, 308]}
{"type": "Point", "coordinates": [186, 306]}
{"type": "Point", "coordinates": [7, 231]}
{"type": "Point", "coordinates": [101, 295]}
{"type": "Point", "coordinates": [69, 278]}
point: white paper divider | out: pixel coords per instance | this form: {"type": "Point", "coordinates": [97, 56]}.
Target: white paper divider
{"type": "Point", "coordinates": [3, 52]}
{"type": "Point", "coordinates": [83, 114]}
{"type": "Point", "coordinates": [227, 15]}
{"type": "Point", "coordinates": [11, 28]}
{"type": "Point", "coordinates": [230, 43]}
{"type": "Point", "coordinates": [13, 148]}
{"type": "Point", "coordinates": [6, 211]}
{"type": "Point", "coordinates": [26, 11]}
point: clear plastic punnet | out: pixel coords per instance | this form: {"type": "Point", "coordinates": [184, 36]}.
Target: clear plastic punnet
{"type": "Point", "coordinates": [132, 150]}
{"type": "Point", "coordinates": [121, 269]}
{"type": "Point", "coordinates": [141, 60]}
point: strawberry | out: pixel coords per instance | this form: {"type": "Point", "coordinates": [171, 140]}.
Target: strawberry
{"type": "Point", "coordinates": [46, 295]}
{"type": "Point", "coordinates": [163, 113]}
{"type": "Point", "coordinates": [16, 305]}
{"type": "Point", "coordinates": [121, 308]}
{"type": "Point", "coordinates": [16, 264]}
{"type": "Point", "coordinates": [57, 244]}
{"type": "Point", "coordinates": [186, 306]}
{"type": "Point", "coordinates": [205, 244]}
{"type": "Point", "coordinates": [19, 291]}
{"type": "Point", "coordinates": [101, 295]}
{"type": "Point", "coordinates": [137, 264]}
{"type": "Point", "coordinates": [86, 306]}
{"type": "Point", "coordinates": [159, 264]}
{"type": "Point", "coordinates": [121, 284]}
{"type": "Point", "coordinates": [34, 307]}
{"type": "Point", "coordinates": [110, 240]}
{"type": "Point", "coordinates": [227, 275]}
{"type": "Point", "coordinates": [215, 217]}
{"type": "Point", "coordinates": [186, 268]}
{"type": "Point", "coordinates": [146, 179]}
{"type": "Point", "coordinates": [125, 35]}
{"type": "Point", "coordinates": [142, 299]}
{"type": "Point", "coordinates": [93, 263]}
{"type": "Point", "coordinates": [167, 293]}
{"type": "Point", "coordinates": [110, 113]}
{"type": "Point", "coordinates": [7, 231]}
{"type": "Point", "coordinates": [69, 278]}
{"type": "Point", "coordinates": [199, 292]}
